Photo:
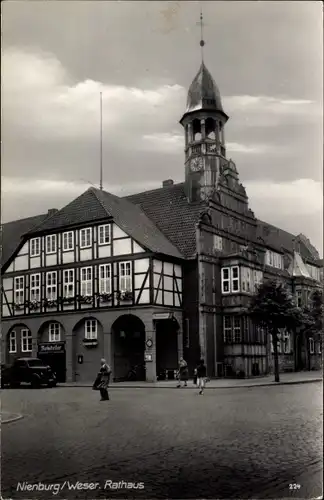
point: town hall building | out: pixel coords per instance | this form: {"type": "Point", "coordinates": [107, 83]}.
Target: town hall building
{"type": "Point", "coordinates": [144, 279]}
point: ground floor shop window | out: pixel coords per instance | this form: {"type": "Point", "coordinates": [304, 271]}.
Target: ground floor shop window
{"type": "Point", "coordinates": [54, 332]}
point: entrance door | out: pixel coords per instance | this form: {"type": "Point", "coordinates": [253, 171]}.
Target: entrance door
{"type": "Point", "coordinates": [166, 347]}
{"type": "Point", "coordinates": [57, 363]}
{"type": "Point", "coordinates": [129, 347]}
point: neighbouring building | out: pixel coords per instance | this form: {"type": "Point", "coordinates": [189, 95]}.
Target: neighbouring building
{"type": "Point", "coordinates": [144, 279]}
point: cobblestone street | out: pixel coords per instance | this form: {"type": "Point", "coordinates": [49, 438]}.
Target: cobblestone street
{"type": "Point", "coordinates": [245, 442]}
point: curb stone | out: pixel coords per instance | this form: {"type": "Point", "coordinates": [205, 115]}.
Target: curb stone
{"type": "Point", "coordinates": [150, 386]}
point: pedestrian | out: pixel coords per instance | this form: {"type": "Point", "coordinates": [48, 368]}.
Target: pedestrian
{"type": "Point", "coordinates": [201, 376]}
{"type": "Point", "coordinates": [183, 373]}
{"type": "Point", "coordinates": [105, 372]}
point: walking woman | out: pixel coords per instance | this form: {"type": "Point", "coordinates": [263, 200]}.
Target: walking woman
{"type": "Point", "coordinates": [105, 372]}
{"type": "Point", "coordinates": [183, 373]}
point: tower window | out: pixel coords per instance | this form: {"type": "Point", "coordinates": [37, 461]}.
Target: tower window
{"type": "Point", "coordinates": [196, 130]}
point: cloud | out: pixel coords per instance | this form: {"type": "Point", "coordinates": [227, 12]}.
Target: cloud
{"type": "Point", "coordinates": [38, 90]}
{"type": "Point", "coordinates": [299, 197]}
{"type": "Point", "coordinates": [162, 142]}
{"type": "Point", "coordinates": [234, 147]}
{"type": "Point", "coordinates": [269, 111]}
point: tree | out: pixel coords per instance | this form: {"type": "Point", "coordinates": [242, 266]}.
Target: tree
{"type": "Point", "coordinates": [273, 308]}
{"type": "Point", "coordinates": [311, 320]}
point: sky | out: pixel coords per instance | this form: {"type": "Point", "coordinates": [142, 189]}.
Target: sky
{"type": "Point", "coordinates": [266, 58]}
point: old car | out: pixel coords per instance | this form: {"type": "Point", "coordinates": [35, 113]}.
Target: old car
{"type": "Point", "coordinates": [31, 371]}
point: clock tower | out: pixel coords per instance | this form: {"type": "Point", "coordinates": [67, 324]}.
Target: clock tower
{"type": "Point", "coordinates": [203, 123]}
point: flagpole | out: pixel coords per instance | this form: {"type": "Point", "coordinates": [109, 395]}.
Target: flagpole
{"type": "Point", "coordinates": [101, 141]}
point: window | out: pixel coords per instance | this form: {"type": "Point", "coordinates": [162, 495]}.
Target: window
{"type": "Point", "coordinates": [218, 242]}
{"type": "Point", "coordinates": [274, 259]}
{"type": "Point", "coordinates": [54, 332]}
{"type": "Point", "coordinates": [105, 278]}
{"type": "Point", "coordinates": [278, 343]}
{"type": "Point", "coordinates": [228, 329]}
{"type": "Point", "coordinates": [51, 243]}
{"type": "Point", "coordinates": [235, 279]}
{"type": "Point", "coordinates": [299, 298]}
{"type": "Point", "coordinates": [86, 281]}
{"type": "Point", "coordinates": [225, 280]}
{"type": "Point", "coordinates": [68, 283]}
{"type": "Point", "coordinates": [12, 342]}
{"type": "Point", "coordinates": [125, 276]}
{"type": "Point", "coordinates": [311, 346]}
{"type": "Point", "coordinates": [286, 343]}
{"type": "Point", "coordinates": [245, 328]}
{"type": "Point", "coordinates": [237, 329]}
{"type": "Point", "coordinates": [68, 241]}
{"type": "Point", "coordinates": [91, 329]}
{"type": "Point", "coordinates": [35, 247]}
{"type": "Point", "coordinates": [19, 290]}
{"type": "Point", "coordinates": [104, 234]}
{"type": "Point", "coordinates": [26, 341]}
{"type": "Point", "coordinates": [51, 285]}
{"type": "Point", "coordinates": [257, 279]}
{"type": "Point", "coordinates": [35, 287]}
{"type": "Point", "coordinates": [319, 346]}
{"type": "Point", "coordinates": [85, 237]}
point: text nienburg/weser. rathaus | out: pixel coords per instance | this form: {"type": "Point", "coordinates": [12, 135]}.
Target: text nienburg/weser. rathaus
{"type": "Point", "coordinates": [145, 279]}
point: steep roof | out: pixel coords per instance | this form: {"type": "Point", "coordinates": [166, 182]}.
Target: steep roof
{"type": "Point", "coordinates": [282, 240]}
{"type": "Point", "coordinates": [95, 205]}
{"type": "Point", "coordinates": [170, 211]}
{"type": "Point", "coordinates": [12, 232]}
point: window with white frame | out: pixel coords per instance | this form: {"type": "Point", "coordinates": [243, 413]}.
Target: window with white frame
{"type": "Point", "coordinates": [85, 237]}
{"type": "Point", "coordinates": [274, 259]}
{"type": "Point", "coordinates": [227, 326]}
{"type": "Point", "coordinates": [91, 329]}
{"type": "Point", "coordinates": [286, 341]}
{"type": "Point", "coordinates": [278, 343]}
{"type": "Point", "coordinates": [125, 276]}
{"type": "Point", "coordinates": [68, 241]}
{"type": "Point", "coordinates": [51, 243]}
{"type": "Point", "coordinates": [237, 337]}
{"type": "Point", "coordinates": [299, 298]}
{"type": "Point", "coordinates": [19, 290]}
{"type": "Point", "coordinates": [246, 279]}
{"type": "Point", "coordinates": [104, 234]}
{"type": "Point", "coordinates": [311, 346]}
{"type": "Point", "coordinates": [235, 280]}
{"type": "Point", "coordinates": [68, 283]}
{"type": "Point", "coordinates": [225, 280]}
{"type": "Point", "coordinates": [105, 278]}
{"type": "Point", "coordinates": [51, 285]}
{"type": "Point", "coordinates": [86, 281]}
{"type": "Point", "coordinates": [313, 271]}
{"type": "Point", "coordinates": [54, 332]}
{"type": "Point", "coordinates": [26, 341]}
{"type": "Point", "coordinates": [12, 342]}
{"type": "Point", "coordinates": [218, 242]}
{"type": "Point", "coordinates": [257, 279]}
{"type": "Point", "coordinates": [35, 247]}
{"type": "Point", "coordinates": [35, 289]}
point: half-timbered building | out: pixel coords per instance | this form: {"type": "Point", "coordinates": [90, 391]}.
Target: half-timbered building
{"type": "Point", "coordinates": [144, 279]}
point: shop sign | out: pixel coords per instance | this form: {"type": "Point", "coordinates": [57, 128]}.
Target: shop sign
{"type": "Point", "coordinates": [51, 348]}
{"type": "Point", "coordinates": [148, 357]}
{"type": "Point", "coordinates": [149, 343]}
{"type": "Point", "coordinates": [167, 315]}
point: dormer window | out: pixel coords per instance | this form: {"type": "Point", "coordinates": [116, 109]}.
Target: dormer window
{"type": "Point", "coordinates": [274, 259]}
{"type": "Point", "coordinates": [86, 237]}
{"type": "Point", "coordinates": [35, 247]}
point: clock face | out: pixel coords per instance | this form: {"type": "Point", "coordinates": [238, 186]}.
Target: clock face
{"type": "Point", "coordinates": [196, 164]}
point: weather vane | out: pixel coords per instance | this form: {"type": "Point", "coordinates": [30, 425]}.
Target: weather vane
{"type": "Point", "coordinates": [202, 41]}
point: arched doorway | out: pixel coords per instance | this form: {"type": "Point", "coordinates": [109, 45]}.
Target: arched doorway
{"type": "Point", "coordinates": [51, 348]}
{"type": "Point", "coordinates": [128, 333]}
{"type": "Point", "coordinates": [166, 347]}
{"type": "Point", "coordinates": [18, 343]}
{"type": "Point", "coordinates": [88, 349]}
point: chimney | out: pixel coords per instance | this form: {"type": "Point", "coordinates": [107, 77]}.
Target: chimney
{"type": "Point", "coordinates": [52, 211]}
{"type": "Point", "coordinates": [168, 182]}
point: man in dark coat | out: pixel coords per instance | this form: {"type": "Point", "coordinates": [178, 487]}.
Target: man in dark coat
{"type": "Point", "coordinates": [201, 376]}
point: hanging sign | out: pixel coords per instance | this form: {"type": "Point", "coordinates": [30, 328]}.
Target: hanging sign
{"type": "Point", "coordinates": [149, 342]}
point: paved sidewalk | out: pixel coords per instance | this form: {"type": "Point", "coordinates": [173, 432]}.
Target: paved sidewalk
{"type": "Point", "coordinates": [285, 378]}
